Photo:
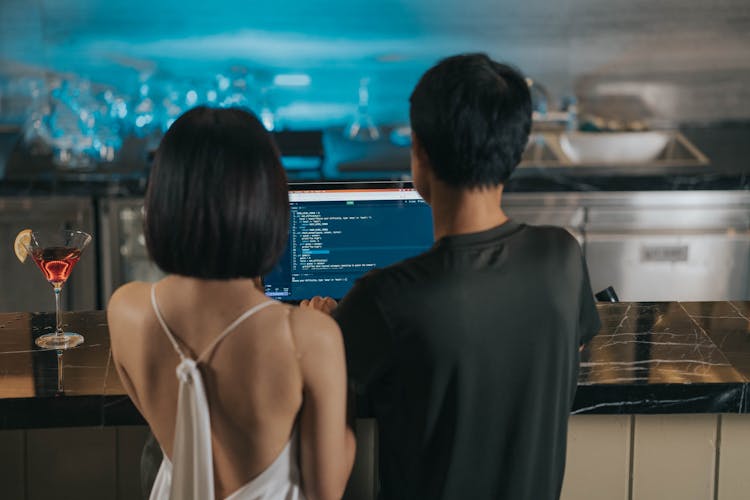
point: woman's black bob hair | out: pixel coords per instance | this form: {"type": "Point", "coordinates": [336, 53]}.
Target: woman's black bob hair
{"type": "Point", "coordinates": [217, 204]}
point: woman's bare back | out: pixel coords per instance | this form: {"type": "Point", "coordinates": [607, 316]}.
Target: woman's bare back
{"type": "Point", "coordinates": [252, 378]}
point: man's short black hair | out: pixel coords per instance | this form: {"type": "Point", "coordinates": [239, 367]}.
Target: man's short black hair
{"type": "Point", "coordinates": [217, 204]}
{"type": "Point", "coordinates": [472, 116]}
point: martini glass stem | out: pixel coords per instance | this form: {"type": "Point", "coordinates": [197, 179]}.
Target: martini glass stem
{"type": "Point", "coordinates": [58, 313]}
{"type": "Point", "coordinates": [59, 371]}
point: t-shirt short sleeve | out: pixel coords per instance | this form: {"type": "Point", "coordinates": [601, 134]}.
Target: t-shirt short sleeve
{"type": "Point", "coordinates": [367, 338]}
{"type": "Point", "coordinates": [588, 319]}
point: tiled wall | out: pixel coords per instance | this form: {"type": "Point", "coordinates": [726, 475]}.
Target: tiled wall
{"type": "Point", "coordinates": [85, 463]}
{"type": "Point", "coordinates": [610, 457]}
{"type": "Point", "coordinates": [658, 457]}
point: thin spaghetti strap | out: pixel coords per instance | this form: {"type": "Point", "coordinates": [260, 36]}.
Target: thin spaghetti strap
{"type": "Point", "coordinates": [207, 352]}
{"type": "Point", "coordinates": [164, 326]}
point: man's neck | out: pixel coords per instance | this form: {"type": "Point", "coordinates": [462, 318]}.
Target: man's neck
{"type": "Point", "coordinates": [462, 211]}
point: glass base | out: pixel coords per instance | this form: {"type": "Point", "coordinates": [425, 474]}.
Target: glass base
{"type": "Point", "coordinates": [65, 340]}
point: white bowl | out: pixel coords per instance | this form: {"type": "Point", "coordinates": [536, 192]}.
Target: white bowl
{"type": "Point", "coordinates": [613, 147]}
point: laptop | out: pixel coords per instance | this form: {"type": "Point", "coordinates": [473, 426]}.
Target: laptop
{"type": "Point", "coordinates": [340, 231]}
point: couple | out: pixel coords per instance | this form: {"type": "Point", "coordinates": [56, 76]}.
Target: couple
{"type": "Point", "coordinates": [467, 355]}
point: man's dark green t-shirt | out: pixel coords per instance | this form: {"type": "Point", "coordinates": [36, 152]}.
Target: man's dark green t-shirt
{"type": "Point", "coordinates": [467, 356]}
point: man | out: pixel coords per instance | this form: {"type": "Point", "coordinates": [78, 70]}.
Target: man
{"type": "Point", "coordinates": [467, 355]}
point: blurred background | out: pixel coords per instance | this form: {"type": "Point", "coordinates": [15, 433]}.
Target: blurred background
{"type": "Point", "coordinates": [640, 148]}
{"type": "Point", "coordinates": [640, 145]}
{"type": "Point", "coordinates": [83, 79]}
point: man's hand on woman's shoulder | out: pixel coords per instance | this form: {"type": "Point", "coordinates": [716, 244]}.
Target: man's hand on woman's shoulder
{"type": "Point", "coordinates": [322, 304]}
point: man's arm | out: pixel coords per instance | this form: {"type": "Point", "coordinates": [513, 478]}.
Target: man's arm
{"type": "Point", "coordinates": [367, 338]}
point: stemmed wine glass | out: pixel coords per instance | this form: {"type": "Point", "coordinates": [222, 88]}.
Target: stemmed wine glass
{"type": "Point", "coordinates": [55, 253]}
{"type": "Point", "coordinates": [363, 127]}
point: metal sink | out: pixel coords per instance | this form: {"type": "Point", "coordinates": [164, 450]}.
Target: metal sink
{"type": "Point", "coordinates": [598, 152]}
{"type": "Point", "coordinates": [628, 148]}
{"type": "Point", "coordinates": [611, 149]}
{"type": "Point", "coordinates": [619, 147]}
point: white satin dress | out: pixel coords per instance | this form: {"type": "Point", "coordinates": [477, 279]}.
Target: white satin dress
{"type": "Point", "coordinates": [191, 476]}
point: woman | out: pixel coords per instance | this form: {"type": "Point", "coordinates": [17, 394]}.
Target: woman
{"type": "Point", "coordinates": [257, 408]}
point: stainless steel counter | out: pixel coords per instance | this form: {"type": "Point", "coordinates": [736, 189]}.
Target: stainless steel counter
{"type": "Point", "coordinates": [650, 246]}
{"type": "Point", "coordinates": [654, 246]}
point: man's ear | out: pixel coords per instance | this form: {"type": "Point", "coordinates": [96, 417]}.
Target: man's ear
{"type": "Point", "coordinates": [420, 168]}
{"type": "Point", "coordinates": [418, 149]}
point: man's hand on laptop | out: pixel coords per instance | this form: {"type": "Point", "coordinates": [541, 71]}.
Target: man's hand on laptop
{"type": "Point", "coordinates": [322, 304]}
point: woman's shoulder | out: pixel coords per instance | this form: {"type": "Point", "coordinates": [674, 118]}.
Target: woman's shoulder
{"type": "Point", "coordinates": [127, 310]}
{"type": "Point", "coordinates": [129, 299]}
{"type": "Point", "coordinates": [313, 330]}
{"type": "Point", "coordinates": [130, 291]}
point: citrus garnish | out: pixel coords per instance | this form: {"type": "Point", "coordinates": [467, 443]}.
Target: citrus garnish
{"type": "Point", "coordinates": [19, 246]}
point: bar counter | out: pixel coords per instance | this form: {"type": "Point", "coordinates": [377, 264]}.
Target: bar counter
{"type": "Point", "coordinates": [648, 358]}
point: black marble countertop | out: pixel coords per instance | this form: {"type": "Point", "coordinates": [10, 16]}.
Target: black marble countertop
{"type": "Point", "coordinates": [665, 357]}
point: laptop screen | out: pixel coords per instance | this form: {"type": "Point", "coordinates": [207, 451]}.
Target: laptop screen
{"type": "Point", "coordinates": [337, 235]}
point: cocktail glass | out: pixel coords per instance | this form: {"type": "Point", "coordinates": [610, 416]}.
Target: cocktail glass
{"type": "Point", "coordinates": [56, 253]}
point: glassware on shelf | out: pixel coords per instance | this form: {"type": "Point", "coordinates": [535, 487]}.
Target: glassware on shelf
{"type": "Point", "coordinates": [233, 88]}
{"type": "Point", "coordinates": [144, 110]}
{"type": "Point", "coordinates": [266, 111]}
{"type": "Point", "coordinates": [36, 133]}
{"type": "Point", "coordinates": [17, 95]}
{"type": "Point", "coordinates": [55, 253]}
{"type": "Point", "coordinates": [363, 128]}
{"type": "Point", "coordinates": [71, 123]}
{"type": "Point", "coordinates": [172, 106]}
{"type": "Point", "coordinates": [80, 124]}
{"type": "Point", "coordinates": [110, 112]}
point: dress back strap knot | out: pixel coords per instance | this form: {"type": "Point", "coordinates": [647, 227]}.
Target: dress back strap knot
{"type": "Point", "coordinates": [186, 370]}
